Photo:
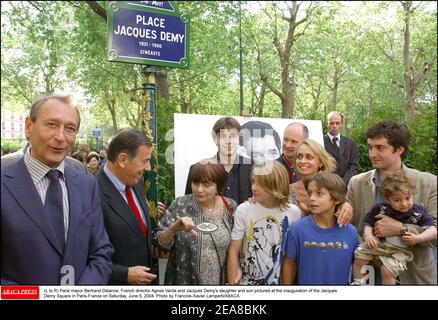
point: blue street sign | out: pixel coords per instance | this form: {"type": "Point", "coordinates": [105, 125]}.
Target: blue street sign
{"type": "Point", "coordinates": [148, 32]}
{"type": "Point", "coordinates": [96, 133]}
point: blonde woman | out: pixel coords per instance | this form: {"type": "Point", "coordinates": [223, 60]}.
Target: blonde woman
{"type": "Point", "coordinates": [310, 158]}
{"type": "Point", "coordinates": [259, 227]}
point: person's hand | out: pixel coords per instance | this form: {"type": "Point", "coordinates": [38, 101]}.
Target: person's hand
{"type": "Point", "coordinates": [371, 242]}
{"type": "Point", "coordinates": [161, 209]}
{"type": "Point", "coordinates": [344, 214]}
{"type": "Point", "coordinates": [238, 279]}
{"type": "Point", "coordinates": [386, 226]}
{"type": "Point", "coordinates": [411, 238]}
{"type": "Point", "coordinates": [139, 275]}
{"type": "Point", "coordinates": [304, 207]}
{"type": "Point", "coordinates": [185, 224]}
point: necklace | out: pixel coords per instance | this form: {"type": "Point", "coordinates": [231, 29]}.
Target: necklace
{"type": "Point", "coordinates": [212, 207]}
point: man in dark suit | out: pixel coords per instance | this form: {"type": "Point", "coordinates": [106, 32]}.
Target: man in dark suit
{"type": "Point", "coordinates": [52, 229]}
{"type": "Point", "coordinates": [124, 208]}
{"type": "Point", "coordinates": [341, 148]}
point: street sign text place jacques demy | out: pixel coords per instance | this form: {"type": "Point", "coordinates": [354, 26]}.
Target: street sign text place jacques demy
{"type": "Point", "coordinates": [148, 32]}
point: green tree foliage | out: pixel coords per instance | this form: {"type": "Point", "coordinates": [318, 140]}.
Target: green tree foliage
{"type": "Point", "coordinates": [34, 38]}
{"type": "Point", "coordinates": [9, 146]}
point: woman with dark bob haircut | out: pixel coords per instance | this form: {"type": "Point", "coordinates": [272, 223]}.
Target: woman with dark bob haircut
{"type": "Point", "coordinates": [196, 229]}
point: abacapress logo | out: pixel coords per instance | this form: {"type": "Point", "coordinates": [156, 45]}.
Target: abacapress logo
{"type": "Point", "coordinates": [20, 292]}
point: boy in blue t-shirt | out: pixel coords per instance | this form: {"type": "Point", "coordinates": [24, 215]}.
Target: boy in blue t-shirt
{"type": "Point", "coordinates": [317, 250]}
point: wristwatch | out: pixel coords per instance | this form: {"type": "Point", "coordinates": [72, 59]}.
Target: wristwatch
{"type": "Point", "coordinates": [404, 229]}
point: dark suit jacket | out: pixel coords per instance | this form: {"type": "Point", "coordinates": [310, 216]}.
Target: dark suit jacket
{"type": "Point", "coordinates": [244, 181]}
{"type": "Point", "coordinates": [131, 248]}
{"type": "Point", "coordinates": [30, 254]}
{"type": "Point", "coordinates": [347, 161]}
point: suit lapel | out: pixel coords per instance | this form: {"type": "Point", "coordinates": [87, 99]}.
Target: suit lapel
{"type": "Point", "coordinates": [118, 204]}
{"type": "Point", "coordinates": [329, 147]}
{"type": "Point", "coordinates": [419, 196]}
{"type": "Point", "coordinates": [22, 188]}
{"type": "Point", "coordinates": [369, 193]}
{"type": "Point", "coordinates": [342, 146]}
{"type": "Point", "coordinates": [328, 143]}
{"type": "Point", "coordinates": [74, 202]}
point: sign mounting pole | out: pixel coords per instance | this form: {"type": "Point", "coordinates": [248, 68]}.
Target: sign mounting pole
{"type": "Point", "coordinates": [149, 123]}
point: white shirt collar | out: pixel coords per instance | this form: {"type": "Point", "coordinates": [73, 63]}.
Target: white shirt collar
{"type": "Point", "coordinates": [116, 181]}
{"type": "Point", "coordinates": [337, 136]}
{"type": "Point", "coordinates": [37, 169]}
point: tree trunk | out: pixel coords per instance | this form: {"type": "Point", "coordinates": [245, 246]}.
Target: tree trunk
{"type": "Point", "coordinates": [412, 77]}
{"type": "Point", "coordinates": [139, 117]}
{"type": "Point", "coordinates": [182, 98]}
{"type": "Point", "coordinates": [409, 90]}
{"type": "Point", "coordinates": [111, 104]}
{"type": "Point", "coordinates": [98, 9]}
{"type": "Point", "coordinates": [286, 98]}
{"type": "Point", "coordinates": [316, 93]}
{"type": "Point", "coordinates": [370, 101]}
{"type": "Point", "coordinates": [162, 84]}
{"type": "Point", "coordinates": [335, 95]}
{"type": "Point", "coordinates": [261, 103]}
{"type": "Point", "coordinates": [286, 107]}
{"type": "Point", "coordinates": [288, 101]}
{"type": "Point", "coordinates": [409, 111]}
{"type": "Point", "coordinates": [287, 93]}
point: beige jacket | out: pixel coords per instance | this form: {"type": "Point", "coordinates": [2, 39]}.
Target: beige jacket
{"type": "Point", "coordinates": [361, 195]}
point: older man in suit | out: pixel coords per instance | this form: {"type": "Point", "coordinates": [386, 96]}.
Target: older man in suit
{"type": "Point", "coordinates": [387, 142]}
{"type": "Point", "coordinates": [124, 208]}
{"type": "Point", "coordinates": [341, 148]}
{"type": "Point", "coordinates": [51, 220]}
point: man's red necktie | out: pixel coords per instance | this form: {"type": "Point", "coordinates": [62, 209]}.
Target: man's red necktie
{"type": "Point", "coordinates": [134, 209]}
